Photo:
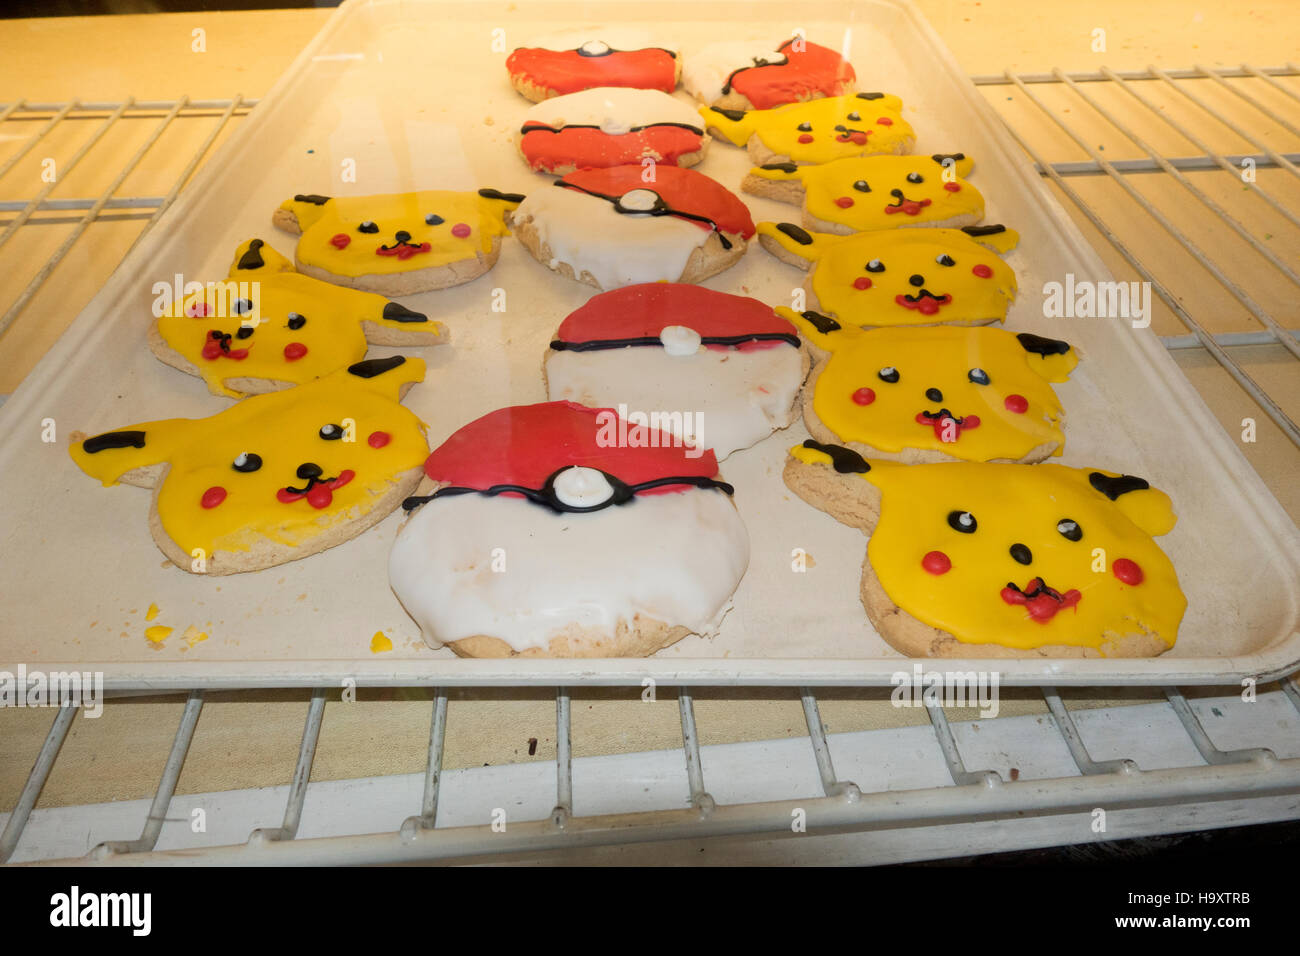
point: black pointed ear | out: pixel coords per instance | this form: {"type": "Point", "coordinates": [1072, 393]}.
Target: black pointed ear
{"type": "Point", "coordinates": [371, 368]}
{"type": "Point", "coordinates": [734, 115]}
{"type": "Point", "coordinates": [961, 163]}
{"type": "Point", "coordinates": [498, 194]}
{"type": "Point", "coordinates": [251, 258]}
{"type": "Point", "coordinates": [1041, 345]}
{"type": "Point", "coordinates": [1112, 486]}
{"type": "Point", "coordinates": [124, 439]}
{"type": "Point", "coordinates": [313, 198]}
{"type": "Point", "coordinates": [845, 461]}
{"type": "Point", "coordinates": [396, 312]}
{"type": "Point", "coordinates": [871, 96]}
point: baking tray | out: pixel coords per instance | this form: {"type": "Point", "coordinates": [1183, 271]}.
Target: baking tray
{"type": "Point", "coordinates": [415, 94]}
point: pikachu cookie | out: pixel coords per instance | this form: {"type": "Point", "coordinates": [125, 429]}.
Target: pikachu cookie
{"type": "Point", "coordinates": [874, 192]}
{"type": "Point", "coordinates": [398, 243]}
{"type": "Point", "coordinates": [270, 327]}
{"type": "Point", "coordinates": [899, 277]}
{"type": "Point", "coordinates": [747, 74]}
{"type": "Point", "coordinates": [275, 477]}
{"type": "Point", "coordinates": [936, 394]}
{"type": "Point", "coordinates": [979, 560]}
{"type": "Point", "coordinates": [818, 131]}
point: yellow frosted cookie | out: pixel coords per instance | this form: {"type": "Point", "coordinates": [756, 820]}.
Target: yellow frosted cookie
{"type": "Point", "coordinates": [900, 277]}
{"type": "Point", "coordinates": [269, 327]}
{"type": "Point", "coordinates": [970, 559]}
{"type": "Point", "coordinates": [817, 131]}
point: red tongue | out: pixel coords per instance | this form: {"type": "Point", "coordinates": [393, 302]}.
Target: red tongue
{"type": "Point", "coordinates": [909, 206]}
{"type": "Point", "coordinates": [321, 495]}
{"type": "Point", "coordinates": [1042, 607]}
{"type": "Point", "coordinates": [858, 138]}
{"type": "Point", "coordinates": [926, 304]}
{"type": "Point", "coordinates": [940, 425]}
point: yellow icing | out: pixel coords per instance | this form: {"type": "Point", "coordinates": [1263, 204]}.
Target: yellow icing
{"type": "Point", "coordinates": [283, 428]}
{"type": "Point", "coordinates": [158, 633]}
{"type": "Point", "coordinates": [333, 331]}
{"type": "Point", "coordinates": [393, 213]}
{"type": "Point", "coordinates": [823, 185]}
{"type": "Point", "coordinates": [778, 128]}
{"type": "Point", "coordinates": [1020, 504]}
{"type": "Point", "coordinates": [380, 643]}
{"type": "Point", "coordinates": [937, 357]}
{"type": "Point", "coordinates": [837, 262]}
{"type": "Point", "coordinates": [194, 636]}
{"type": "Point", "coordinates": [152, 613]}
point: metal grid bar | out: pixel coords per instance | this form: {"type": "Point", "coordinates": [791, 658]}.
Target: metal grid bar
{"type": "Point", "coordinates": [428, 816]}
{"type": "Point", "coordinates": [563, 762]}
{"type": "Point", "coordinates": [301, 774]}
{"type": "Point", "coordinates": [36, 781]}
{"type": "Point", "coordinates": [1000, 79]}
{"type": "Point", "coordinates": [701, 799]}
{"type": "Point", "coordinates": [1210, 753]}
{"type": "Point", "coordinates": [1218, 78]}
{"type": "Point", "coordinates": [1078, 752]}
{"type": "Point", "coordinates": [952, 756]}
{"type": "Point", "coordinates": [831, 785]}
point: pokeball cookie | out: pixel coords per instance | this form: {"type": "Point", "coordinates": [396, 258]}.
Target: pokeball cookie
{"type": "Point", "coordinates": [741, 75]}
{"type": "Point", "coordinates": [398, 243]}
{"type": "Point", "coordinates": [556, 530]}
{"type": "Point", "coordinates": [873, 192]}
{"type": "Point", "coordinates": [290, 329]}
{"type": "Point", "coordinates": [275, 477]}
{"type": "Point", "coordinates": [939, 393]}
{"type": "Point", "coordinates": [611, 227]}
{"type": "Point", "coordinates": [994, 560]}
{"type": "Point", "coordinates": [818, 131]}
{"type": "Point", "coordinates": [556, 66]}
{"type": "Point", "coordinates": [723, 371]}
{"type": "Point", "coordinates": [611, 127]}
{"type": "Point", "coordinates": [899, 276]}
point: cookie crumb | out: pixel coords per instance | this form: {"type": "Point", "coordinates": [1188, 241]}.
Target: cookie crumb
{"type": "Point", "coordinates": [158, 633]}
{"type": "Point", "coordinates": [488, 121]}
{"type": "Point", "coordinates": [532, 746]}
{"type": "Point", "coordinates": [1015, 773]}
{"type": "Point", "coordinates": [152, 613]}
{"type": "Point", "coordinates": [194, 636]}
{"type": "Point", "coordinates": [380, 643]}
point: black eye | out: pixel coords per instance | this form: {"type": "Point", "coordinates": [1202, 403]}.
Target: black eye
{"type": "Point", "coordinates": [1069, 529]}
{"type": "Point", "coordinates": [367, 226]}
{"type": "Point", "coordinates": [875, 265]}
{"type": "Point", "coordinates": [241, 306]}
{"type": "Point", "coordinates": [978, 376]}
{"type": "Point", "coordinates": [861, 186]}
{"type": "Point", "coordinates": [246, 462]}
{"type": "Point", "coordinates": [945, 260]}
{"type": "Point", "coordinates": [915, 178]}
{"type": "Point", "coordinates": [854, 117]}
{"type": "Point", "coordinates": [244, 332]}
{"type": "Point", "coordinates": [297, 321]}
{"type": "Point", "coordinates": [888, 374]}
{"type": "Point", "coordinates": [1020, 554]}
{"type": "Point", "coordinates": [331, 432]}
{"type": "Point", "coordinates": [433, 219]}
{"type": "Point", "coordinates": [962, 521]}
{"type": "Point", "coordinates": [805, 127]}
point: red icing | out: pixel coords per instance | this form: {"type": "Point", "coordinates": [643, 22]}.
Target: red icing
{"type": "Point", "coordinates": [642, 311]}
{"type": "Point", "coordinates": [936, 562]}
{"type": "Point", "coordinates": [583, 147]}
{"type": "Point", "coordinates": [340, 240]}
{"type": "Point", "coordinates": [805, 137]}
{"type": "Point", "coordinates": [197, 310]}
{"type": "Point", "coordinates": [1043, 607]}
{"type": "Point", "coordinates": [983, 271]}
{"type": "Point", "coordinates": [943, 423]}
{"type": "Point", "coordinates": [321, 494]}
{"type": "Point", "coordinates": [684, 190]}
{"type": "Point", "coordinates": [378, 439]}
{"type": "Point", "coordinates": [926, 304]}
{"type": "Point", "coordinates": [884, 121]}
{"type": "Point", "coordinates": [526, 444]}
{"type": "Point", "coordinates": [909, 206]}
{"type": "Point", "coordinates": [952, 187]}
{"type": "Point", "coordinates": [568, 71]}
{"type": "Point", "coordinates": [864, 396]}
{"type": "Point", "coordinates": [1016, 403]}
{"type": "Point", "coordinates": [858, 137]}
{"type": "Point", "coordinates": [862, 282]}
{"type": "Point", "coordinates": [1127, 571]}
{"type": "Point", "coordinates": [404, 250]}
{"type": "Point", "coordinates": [461, 231]}
{"type": "Point", "coordinates": [813, 70]}
{"type": "Point", "coordinates": [213, 497]}
{"type": "Point", "coordinates": [212, 349]}
{"type": "Point", "coordinates": [294, 351]}
{"type": "Point", "coordinates": [844, 202]}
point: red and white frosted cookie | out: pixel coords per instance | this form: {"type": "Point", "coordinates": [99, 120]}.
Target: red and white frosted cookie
{"type": "Point", "coordinates": [572, 62]}
{"type": "Point", "coordinates": [721, 370]}
{"type": "Point", "coordinates": [630, 224]}
{"type": "Point", "coordinates": [556, 530]}
{"type": "Point", "coordinates": [609, 126]}
{"type": "Point", "coordinates": [750, 75]}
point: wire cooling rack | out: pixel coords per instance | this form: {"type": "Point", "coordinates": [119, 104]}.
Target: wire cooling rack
{"type": "Point", "coordinates": [909, 793]}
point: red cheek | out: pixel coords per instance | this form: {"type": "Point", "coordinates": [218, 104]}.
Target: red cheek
{"type": "Point", "coordinates": [806, 138]}
{"type": "Point", "coordinates": [952, 187]}
{"type": "Point", "coordinates": [460, 230]}
{"type": "Point", "coordinates": [216, 494]}
{"type": "Point", "coordinates": [294, 351]}
{"type": "Point", "coordinates": [379, 439]}
{"type": "Point", "coordinates": [862, 282]}
{"type": "Point", "coordinates": [844, 202]}
{"type": "Point", "coordinates": [1016, 403]}
{"type": "Point", "coordinates": [340, 240]}
{"type": "Point", "coordinates": [936, 562]}
{"type": "Point", "coordinates": [864, 396]}
{"type": "Point", "coordinates": [983, 271]}
{"type": "Point", "coordinates": [884, 121]}
{"type": "Point", "coordinates": [1127, 571]}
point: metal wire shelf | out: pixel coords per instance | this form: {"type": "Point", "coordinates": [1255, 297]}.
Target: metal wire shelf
{"type": "Point", "coordinates": [1253, 780]}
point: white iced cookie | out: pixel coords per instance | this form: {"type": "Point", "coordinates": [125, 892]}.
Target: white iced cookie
{"type": "Point", "coordinates": [556, 530]}
{"type": "Point", "coordinates": [723, 371]}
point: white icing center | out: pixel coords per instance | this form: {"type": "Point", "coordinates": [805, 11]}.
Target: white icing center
{"type": "Point", "coordinates": [679, 340]}
{"type": "Point", "coordinates": [705, 72]}
{"type": "Point", "coordinates": [642, 200]}
{"type": "Point", "coordinates": [582, 487]}
{"type": "Point", "coordinates": [595, 48]}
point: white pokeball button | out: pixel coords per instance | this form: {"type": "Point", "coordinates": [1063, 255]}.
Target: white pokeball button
{"type": "Point", "coordinates": [579, 487]}
{"type": "Point", "coordinates": [595, 48]}
{"type": "Point", "coordinates": [679, 340]}
{"type": "Point", "coordinates": [639, 200]}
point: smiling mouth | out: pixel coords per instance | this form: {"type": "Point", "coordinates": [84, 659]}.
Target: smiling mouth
{"type": "Point", "coordinates": [845, 135]}
{"type": "Point", "coordinates": [944, 421]}
{"type": "Point", "coordinates": [319, 492]}
{"type": "Point", "coordinates": [910, 207]}
{"type": "Point", "coordinates": [1042, 602]}
{"type": "Point", "coordinates": [402, 249]}
{"type": "Point", "coordinates": [925, 301]}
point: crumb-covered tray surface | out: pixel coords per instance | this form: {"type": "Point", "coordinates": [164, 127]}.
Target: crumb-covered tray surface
{"type": "Point", "coordinates": [398, 96]}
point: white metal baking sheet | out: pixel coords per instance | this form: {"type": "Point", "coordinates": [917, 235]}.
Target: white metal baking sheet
{"type": "Point", "coordinates": [415, 95]}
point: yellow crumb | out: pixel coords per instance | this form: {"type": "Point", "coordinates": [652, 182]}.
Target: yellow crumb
{"type": "Point", "coordinates": [193, 635]}
{"type": "Point", "coordinates": [152, 613]}
{"type": "Point", "coordinates": [380, 643]}
{"type": "Point", "coordinates": [158, 633]}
